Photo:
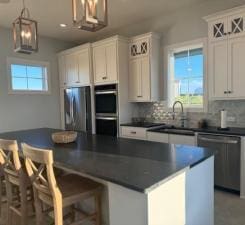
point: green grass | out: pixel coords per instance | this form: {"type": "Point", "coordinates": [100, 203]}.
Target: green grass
{"type": "Point", "coordinates": [189, 99]}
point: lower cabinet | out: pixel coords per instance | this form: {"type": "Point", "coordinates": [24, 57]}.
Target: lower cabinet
{"type": "Point", "coordinates": [157, 137]}
{"type": "Point", "coordinates": [133, 132]}
{"type": "Point", "coordinates": [171, 138]}
{"type": "Point", "coordinates": [181, 139]}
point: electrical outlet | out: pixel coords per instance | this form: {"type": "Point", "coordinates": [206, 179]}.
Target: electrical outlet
{"type": "Point", "coordinates": [231, 119]}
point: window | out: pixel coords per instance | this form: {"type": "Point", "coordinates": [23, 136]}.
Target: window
{"type": "Point", "coordinates": [28, 76]}
{"type": "Point", "coordinates": [186, 75]}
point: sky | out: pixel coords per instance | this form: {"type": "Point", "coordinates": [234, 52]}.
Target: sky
{"type": "Point", "coordinates": [189, 73]}
{"type": "Point", "coordinates": [27, 77]}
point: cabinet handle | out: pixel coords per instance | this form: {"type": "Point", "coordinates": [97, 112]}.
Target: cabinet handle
{"type": "Point", "coordinates": [133, 132]}
{"type": "Point", "coordinates": [104, 78]}
{"type": "Point", "coordinates": [225, 92]}
{"type": "Point", "coordinates": [139, 96]}
{"type": "Point", "coordinates": [64, 83]}
{"type": "Point", "coordinates": [229, 92]}
{"type": "Point", "coordinates": [77, 82]}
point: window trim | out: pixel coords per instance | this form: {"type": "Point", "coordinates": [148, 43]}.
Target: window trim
{"type": "Point", "coordinates": [168, 50]}
{"type": "Point", "coordinates": [21, 61]}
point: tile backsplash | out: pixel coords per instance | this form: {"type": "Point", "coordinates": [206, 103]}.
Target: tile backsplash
{"type": "Point", "coordinates": [158, 112]}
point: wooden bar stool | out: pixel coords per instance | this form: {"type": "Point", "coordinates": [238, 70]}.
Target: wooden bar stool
{"type": "Point", "coordinates": [60, 193]}
{"type": "Point", "coordinates": [18, 185]}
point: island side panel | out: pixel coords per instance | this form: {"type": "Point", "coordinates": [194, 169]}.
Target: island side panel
{"type": "Point", "coordinates": [242, 186]}
{"type": "Point", "coordinates": [126, 207]}
{"type": "Point", "coordinates": [166, 203]}
{"type": "Point", "coordinates": [200, 194]}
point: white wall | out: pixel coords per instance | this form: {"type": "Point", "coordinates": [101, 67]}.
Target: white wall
{"type": "Point", "coordinates": [29, 111]}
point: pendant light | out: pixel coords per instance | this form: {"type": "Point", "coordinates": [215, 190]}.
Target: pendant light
{"type": "Point", "coordinates": [90, 15]}
{"type": "Point", "coordinates": [25, 33]}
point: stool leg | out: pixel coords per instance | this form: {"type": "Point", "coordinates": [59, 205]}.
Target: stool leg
{"type": "Point", "coordinates": [9, 191]}
{"type": "Point", "coordinates": [38, 209]}
{"type": "Point", "coordinates": [1, 194]}
{"type": "Point", "coordinates": [23, 200]}
{"type": "Point", "coordinates": [98, 209]}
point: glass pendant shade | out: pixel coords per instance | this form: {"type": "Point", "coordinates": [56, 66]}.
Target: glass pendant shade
{"type": "Point", "coordinates": [90, 15]}
{"type": "Point", "coordinates": [25, 33]}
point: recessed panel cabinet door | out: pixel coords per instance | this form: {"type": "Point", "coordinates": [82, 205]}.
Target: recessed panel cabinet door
{"type": "Point", "coordinates": [236, 55]}
{"type": "Point", "coordinates": [111, 63]}
{"type": "Point", "coordinates": [99, 56]}
{"type": "Point", "coordinates": [134, 73]}
{"type": "Point", "coordinates": [218, 66]}
{"type": "Point", "coordinates": [71, 69]}
{"type": "Point", "coordinates": [145, 81]}
{"type": "Point", "coordinates": [83, 67]}
{"type": "Point", "coordinates": [62, 71]}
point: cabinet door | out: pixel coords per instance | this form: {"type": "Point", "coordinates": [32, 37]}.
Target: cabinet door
{"type": "Point", "coordinates": [236, 56]}
{"type": "Point", "coordinates": [157, 137]}
{"type": "Point", "coordinates": [236, 25]}
{"type": "Point", "coordinates": [134, 75]}
{"type": "Point", "coordinates": [218, 30]}
{"type": "Point", "coordinates": [218, 66]}
{"type": "Point", "coordinates": [181, 139]}
{"type": "Point", "coordinates": [83, 67]}
{"type": "Point", "coordinates": [99, 61]}
{"type": "Point", "coordinates": [145, 80]}
{"type": "Point", "coordinates": [111, 63]}
{"type": "Point", "coordinates": [71, 69]}
{"type": "Point", "coordinates": [62, 71]}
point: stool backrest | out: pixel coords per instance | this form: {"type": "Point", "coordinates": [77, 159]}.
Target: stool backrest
{"type": "Point", "coordinates": [39, 167]}
{"type": "Point", "coordinates": [10, 161]}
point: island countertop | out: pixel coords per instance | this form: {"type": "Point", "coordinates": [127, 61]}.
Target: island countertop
{"type": "Point", "coordinates": [134, 164]}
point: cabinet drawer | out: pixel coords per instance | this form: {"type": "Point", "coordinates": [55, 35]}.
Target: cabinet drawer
{"type": "Point", "coordinates": [134, 132]}
{"type": "Point", "coordinates": [157, 137]}
{"type": "Point", "coordinates": [182, 139]}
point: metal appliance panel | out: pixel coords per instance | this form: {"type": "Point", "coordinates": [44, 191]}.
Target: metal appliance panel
{"type": "Point", "coordinates": [227, 160]}
{"type": "Point", "coordinates": [78, 109]}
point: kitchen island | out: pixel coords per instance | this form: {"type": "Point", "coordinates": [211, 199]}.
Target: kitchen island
{"type": "Point", "coordinates": [146, 183]}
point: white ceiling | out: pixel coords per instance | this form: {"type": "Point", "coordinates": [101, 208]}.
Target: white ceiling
{"type": "Point", "coordinates": [50, 13]}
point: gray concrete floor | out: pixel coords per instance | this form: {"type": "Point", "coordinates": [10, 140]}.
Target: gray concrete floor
{"type": "Point", "coordinates": [229, 210]}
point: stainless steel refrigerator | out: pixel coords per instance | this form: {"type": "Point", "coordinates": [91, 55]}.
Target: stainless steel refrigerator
{"type": "Point", "coordinates": [78, 109]}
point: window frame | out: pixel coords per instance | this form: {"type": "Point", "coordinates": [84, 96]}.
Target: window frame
{"type": "Point", "coordinates": [168, 52]}
{"type": "Point", "coordinates": [21, 61]}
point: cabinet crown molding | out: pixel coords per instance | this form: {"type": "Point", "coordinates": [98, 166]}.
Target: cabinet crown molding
{"type": "Point", "coordinates": [146, 35]}
{"type": "Point", "coordinates": [109, 40]}
{"type": "Point", "coordinates": [75, 49]}
{"type": "Point", "coordinates": [225, 13]}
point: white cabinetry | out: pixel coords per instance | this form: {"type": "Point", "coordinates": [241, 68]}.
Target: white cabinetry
{"type": "Point", "coordinates": [181, 139]}
{"type": "Point", "coordinates": [144, 68]}
{"type": "Point", "coordinates": [157, 137]}
{"type": "Point", "coordinates": [226, 54]}
{"type": "Point", "coordinates": [133, 132]}
{"type": "Point", "coordinates": [106, 54]}
{"type": "Point", "coordinates": [171, 138]}
{"type": "Point", "coordinates": [75, 66]}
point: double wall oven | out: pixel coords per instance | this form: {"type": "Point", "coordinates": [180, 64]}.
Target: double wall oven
{"type": "Point", "coordinates": [106, 109]}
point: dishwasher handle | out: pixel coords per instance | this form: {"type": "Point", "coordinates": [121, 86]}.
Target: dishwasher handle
{"type": "Point", "coordinates": [218, 141]}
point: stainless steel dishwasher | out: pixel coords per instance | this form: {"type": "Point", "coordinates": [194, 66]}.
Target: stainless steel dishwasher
{"type": "Point", "coordinates": [227, 160]}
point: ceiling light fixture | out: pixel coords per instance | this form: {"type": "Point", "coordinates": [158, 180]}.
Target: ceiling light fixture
{"type": "Point", "coordinates": [25, 33]}
{"type": "Point", "coordinates": [63, 25]}
{"type": "Point", "coordinates": [90, 15]}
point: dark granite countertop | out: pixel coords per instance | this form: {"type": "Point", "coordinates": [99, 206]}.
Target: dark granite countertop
{"type": "Point", "coordinates": [142, 124]}
{"type": "Point", "coordinates": [212, 130]}
{"type": "Point", "coordinates": [134, 164]}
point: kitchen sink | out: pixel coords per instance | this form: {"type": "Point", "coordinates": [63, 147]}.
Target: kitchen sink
{"type": "Point", "coordinates": [177, 131]}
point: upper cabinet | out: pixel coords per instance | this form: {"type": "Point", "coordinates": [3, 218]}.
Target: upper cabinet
{"type": "Point", "coordinates": [144, 68]}
{"type": "Point", "coordinates": [226, 67]}
{"type": "Point", "coordinates": [106, 60]}
{"type": "Point", "coordinates": [75, 66]}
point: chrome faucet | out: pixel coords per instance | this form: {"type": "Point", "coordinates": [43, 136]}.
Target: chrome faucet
{"type": "Point", "coordinates": [182, 112]}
